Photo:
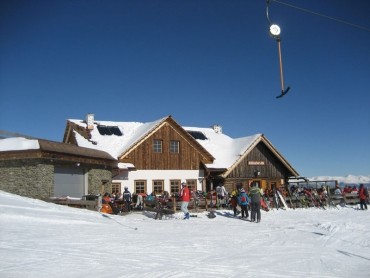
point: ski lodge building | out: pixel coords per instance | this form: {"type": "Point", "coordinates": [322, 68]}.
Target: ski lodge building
{"type": "Point", "coordinates": [157, 156]}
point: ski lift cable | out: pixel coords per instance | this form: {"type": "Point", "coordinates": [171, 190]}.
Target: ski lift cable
{"type": "Point", "coordinates": [321, 15]}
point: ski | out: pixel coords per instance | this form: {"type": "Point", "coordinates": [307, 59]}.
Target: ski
{"type": "Point", "coordinates": [282, 199]}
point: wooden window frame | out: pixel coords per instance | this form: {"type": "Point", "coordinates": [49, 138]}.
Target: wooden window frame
{"type": "Point", "coordinates": [175, 186]}
{"type": "Point", "coordinates": [192, 184]}
{"type": "Point", "coordinates": [116, 187]}
{"type": "Point", "coordinates": [175, 146]}
{"type": "Point", "coordinates": [157, 146]}
{"type": "Point", "coordinates": [156, 184]}
{"type": "Point", "coordinates": [136, 186]}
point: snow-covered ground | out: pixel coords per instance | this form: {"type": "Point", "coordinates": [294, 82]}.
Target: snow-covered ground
{"type": "Point", "coordinates": [39, 239]}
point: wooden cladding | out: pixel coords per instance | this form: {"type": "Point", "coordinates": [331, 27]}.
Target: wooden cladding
{"type": "Point", "coordinates": [144, 156]}
{"type": "Point", "coordinates": [260, 162]}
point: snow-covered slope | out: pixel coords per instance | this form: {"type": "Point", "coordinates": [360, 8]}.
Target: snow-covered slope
{"type": "Point", "coordinates": [39, 239]}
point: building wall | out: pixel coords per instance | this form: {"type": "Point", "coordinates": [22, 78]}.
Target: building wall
{"type": "Point", "coordinates": [27, 177]}
{"type": "Point", "coordinates": [272, 168]}
{"type": "Point", "coordinates": [128, 178]}
{"type": "Point", "coordinates": [271, 171]}
{"type": "Point", "coordinates": [99, 181]}
{"type": "Point", "coordinates": [143, 156]}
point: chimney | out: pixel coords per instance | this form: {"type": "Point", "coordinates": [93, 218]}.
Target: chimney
{"type": "Point", "coordinates": [90, 121]}
{"type": "Point", "coordinates": [217, 128]}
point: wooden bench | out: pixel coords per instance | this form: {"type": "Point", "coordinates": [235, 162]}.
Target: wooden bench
{"type": "Point", "coordinates": [352, 198]}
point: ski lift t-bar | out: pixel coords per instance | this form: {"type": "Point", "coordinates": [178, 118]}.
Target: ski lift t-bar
{"type": "Point", "coordinates": [275, 34]}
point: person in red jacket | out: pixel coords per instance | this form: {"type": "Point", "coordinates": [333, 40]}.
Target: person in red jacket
{"type": "Point", "coordinates": [185, 198]}
{"type": "Point", "coordinates": [363, 195]}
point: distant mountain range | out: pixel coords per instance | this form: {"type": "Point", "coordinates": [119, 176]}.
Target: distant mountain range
{"type": "Point", "coordinates": [349, 179]}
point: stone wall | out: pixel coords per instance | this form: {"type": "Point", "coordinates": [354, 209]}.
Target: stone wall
{"type": "Point", "coordinates": [100, 181]}
{"type": "Point", "coordinates": [27, 177]}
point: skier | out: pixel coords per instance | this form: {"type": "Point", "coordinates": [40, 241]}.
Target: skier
{"type": "Point", "coordinates": [234, 202]}
{"type": "Point", "coordinates": [185, 198]}
{"type": "Point", "coordinates": [106, 204]}
{"type": "Point", "coordinates": [126, 196]}
{"type": "Point", "coordinates": [364, 195]}
{"type": "Point", "coordinates": [255, 196]}
{"type": "Point", "coordinates": [243, 201]}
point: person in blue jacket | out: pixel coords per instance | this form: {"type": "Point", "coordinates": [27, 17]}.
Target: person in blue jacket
{"type": "Point", "coordinates": [243, 201]}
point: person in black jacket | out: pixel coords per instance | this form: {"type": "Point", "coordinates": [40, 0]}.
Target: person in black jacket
{"type": "Point", "coordinates": [255, 196]}
{"type": "Point", "coordinates": [126, 196]}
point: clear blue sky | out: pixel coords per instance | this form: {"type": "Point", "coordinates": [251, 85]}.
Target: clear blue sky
{"type": "Point", "coordinates": [202, 61]}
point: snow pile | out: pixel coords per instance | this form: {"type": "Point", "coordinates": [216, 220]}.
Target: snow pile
{"type": "Point", "coordinates": [39, 239]}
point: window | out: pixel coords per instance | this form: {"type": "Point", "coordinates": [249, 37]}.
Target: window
{"type": "Point", "coordinates": [192, 184]}
{"type": "Point", "coordinates": [158, 186]}
{"type": "Point", "coordinates": [157, 146]}
{"type": "Point", "coordinates": [116, 188]}
{"type": "Point", "coordinates": [174, 146]}
{"type": "Point", "coordinates": [140, 187]}
{"type": "Point", "coordinates": [175, 186]}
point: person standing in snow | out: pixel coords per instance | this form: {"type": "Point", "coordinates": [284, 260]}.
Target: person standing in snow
{"type": "Point", "coordinates": [337, 190]}
{"type": "Point", "coordinates": [126, 196]}
{"type": "Point", "coordinates": [234, 202]}
{"type": "Point", "coordinates": [221, 193]}
{"type": "Point", "coordinates": [243, 201]}
{"type": "Point", "coordinates": [363, 194]}
{"type": "Point", "coordinates": [185, 198]}
{"type": "Point", "coordinates": [255, 196]}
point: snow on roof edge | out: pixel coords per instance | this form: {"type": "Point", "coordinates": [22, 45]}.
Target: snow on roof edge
{"type": "Point", "coordinates": [18, 144]}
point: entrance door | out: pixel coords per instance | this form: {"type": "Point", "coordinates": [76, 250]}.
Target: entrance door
{"type": "Point", "coordinates": [69, 182]}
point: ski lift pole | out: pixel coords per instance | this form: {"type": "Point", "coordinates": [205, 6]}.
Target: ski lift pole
{"type": "Point", "coordinates": [275, 33]}
{"type": "Point", "coordinates": [283, 91]}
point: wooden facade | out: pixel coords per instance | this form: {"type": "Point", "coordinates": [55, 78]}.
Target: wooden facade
{"type": "Point", "coordinates": [261, 164]}
{"type": "Point", "coordinates": [191, 156]}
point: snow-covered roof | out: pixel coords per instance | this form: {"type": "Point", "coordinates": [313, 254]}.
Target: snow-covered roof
{"type": "Point", "coordinates": [223, 148]}
{"type": "Point", "coordinates": [19, 144]}
{"type": "Point", "coordinates": [115, 145]}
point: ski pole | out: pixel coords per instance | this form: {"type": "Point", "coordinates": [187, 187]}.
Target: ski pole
{"type": "Point", "coordinates": [127, 226]}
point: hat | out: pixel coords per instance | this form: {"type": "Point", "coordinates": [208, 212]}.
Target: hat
{"type": "Point", "coordinates": [183, 183]}
{"type": "Point", "coordinates": [242, 190]}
